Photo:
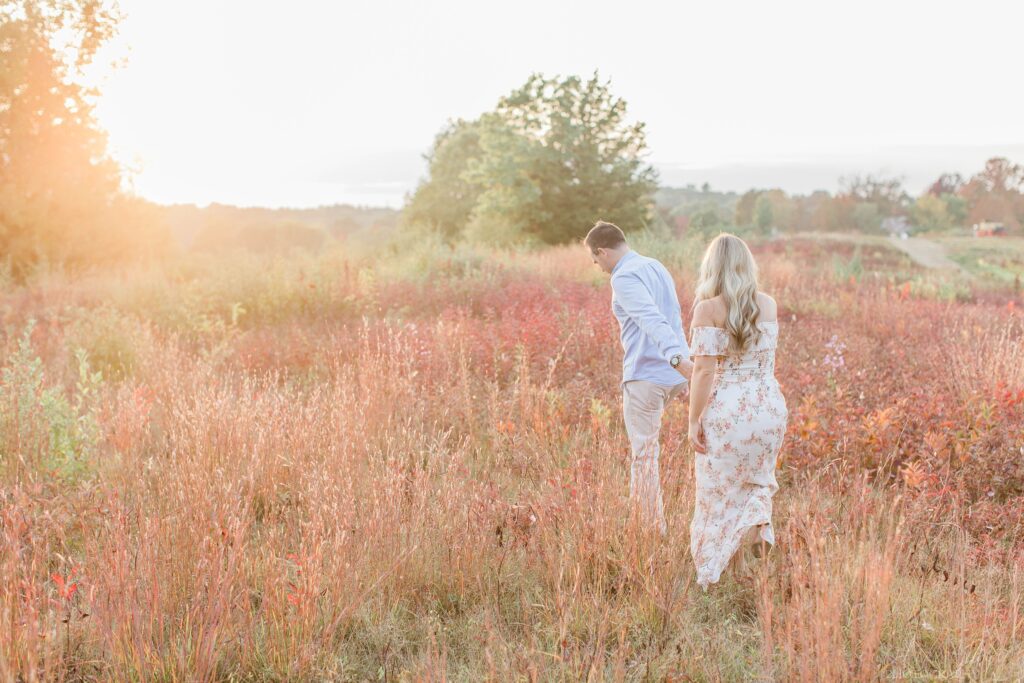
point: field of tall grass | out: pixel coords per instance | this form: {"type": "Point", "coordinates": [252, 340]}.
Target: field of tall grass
{"type": "Point", "coordinates": [412, 466]}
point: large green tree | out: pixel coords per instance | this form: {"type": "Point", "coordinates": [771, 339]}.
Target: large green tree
{"type": "Point", "coordinates": [554, 156]}
{"type": "Point", "coordinates": [445, 202]}
{"type": "Point", "coordinates": [60, 195]}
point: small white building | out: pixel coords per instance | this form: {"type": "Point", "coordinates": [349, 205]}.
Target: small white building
{"type": "Point", "coordinates": [896, 226]}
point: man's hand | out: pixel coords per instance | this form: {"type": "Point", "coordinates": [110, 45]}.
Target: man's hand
{"type": "Point", "coordinates": [696, 436]}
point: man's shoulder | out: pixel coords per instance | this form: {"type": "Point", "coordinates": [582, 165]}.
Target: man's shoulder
{"type": "Point", "coordinates": [652, 264]}
{"type": "Point", "coordinates": [636, 262]}
{"type": "Point", "coordinates": [649, 261]}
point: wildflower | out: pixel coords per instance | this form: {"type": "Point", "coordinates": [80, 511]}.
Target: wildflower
{"type": "Point", "coordinates": [834, 356]}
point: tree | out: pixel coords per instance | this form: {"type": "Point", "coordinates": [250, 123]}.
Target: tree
{"type": "Point", "coordinates": [837, 213]}
{"type": "Point", "coordinates": [815, 211]}
{"type": "Point", "coordinates": [1000, 176]}
{"type": "Point", "coordinates": [445, 202]}
{"type": "Point", "coordinates": [864, 202]}
{"type": "Point", "coordinates": [995, 194]}
{"type": "Point", "coordinates": [866, 217]}
{"type": "Point", "coordinates": [947, 183]}
{"type": "Point", "coordinates": [60, 195]}
{"type": "Point", "coordinates": [744, 214]}
{"type": "Point", "coordinates": [956, 207]}
{"type": "Point", "coordinates": [553, 157]}
{"type": "Point", "coordinates": [887, 194]}
{"type": "Point", "coordinates": [764, 217]}
{"type": "Point", "coordinates": [783, 209]}
{"type": "Point", "coordinates": [706, 219]}
{"type": "Point", "coordinates": [930, 213]}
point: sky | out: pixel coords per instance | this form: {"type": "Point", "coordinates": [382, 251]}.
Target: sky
{"type": "Point", "coordinates": [311, 103]}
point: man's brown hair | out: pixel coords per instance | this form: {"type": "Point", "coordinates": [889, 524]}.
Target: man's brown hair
{"type": "Point", "coordinates": [604, 235]}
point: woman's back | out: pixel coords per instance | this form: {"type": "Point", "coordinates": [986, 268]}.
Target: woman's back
{"type": "Point", "coordinates": [757, 360]}
{"type": "Point", "coordinates": [743, 424]}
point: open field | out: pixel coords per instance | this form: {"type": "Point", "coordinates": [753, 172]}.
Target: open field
{"type": "Point", "coordinates": [999, 260]}
{"type": "Point", "coordinates": [993, 262]}
{"type": "Point", "coordinates": [413, 467]}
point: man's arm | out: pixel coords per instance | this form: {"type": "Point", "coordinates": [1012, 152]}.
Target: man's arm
{"type": "Point", "coordinates": [636, 300]}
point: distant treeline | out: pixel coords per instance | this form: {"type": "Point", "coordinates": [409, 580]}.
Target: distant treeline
{"type": "Point", "coordinates": [62, 198]}
{"type": "Point", "coordinates": [557, 154]}
{"type": "Point", "coordinates": [866, 204]}
{"type": "Point", "coordinates": [220, 228]}
{"type": "Point", "coordinates": [552, 157]}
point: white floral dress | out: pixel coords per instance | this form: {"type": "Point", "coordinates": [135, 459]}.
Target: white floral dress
{"type": "Point", "coordinates": [744, 425]}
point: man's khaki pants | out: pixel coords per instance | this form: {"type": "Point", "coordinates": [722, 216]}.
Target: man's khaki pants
{"type": "Point", "coordinates": [643, 404]}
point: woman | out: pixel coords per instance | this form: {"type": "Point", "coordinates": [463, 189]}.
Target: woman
{"type": "Point", "coordinates": [737, 412]}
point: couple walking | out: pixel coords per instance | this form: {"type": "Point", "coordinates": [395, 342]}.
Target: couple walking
{"type": "Point", "coordinates": [737, 412]}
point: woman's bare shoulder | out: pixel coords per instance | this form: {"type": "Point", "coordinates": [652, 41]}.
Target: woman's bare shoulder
{"type": "Point", "coordinates": [709, 312]}
{"type": "Point", "coordinates": [769, 309]}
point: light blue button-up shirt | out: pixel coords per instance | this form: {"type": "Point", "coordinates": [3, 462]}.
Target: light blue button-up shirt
{"type": "Point", "coordinates": [644, 301]}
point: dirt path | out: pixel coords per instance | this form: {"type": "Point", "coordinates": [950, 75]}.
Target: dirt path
{"type": "Point", "coordinates": [927, 253]}
{"type": "Point", "coordinates": [922, 251]}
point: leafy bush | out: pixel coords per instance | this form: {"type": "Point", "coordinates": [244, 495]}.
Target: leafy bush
{"type": "Point", "coordinates": [41, 430]}
{"type": "Point", "coordinates": [844, 269]}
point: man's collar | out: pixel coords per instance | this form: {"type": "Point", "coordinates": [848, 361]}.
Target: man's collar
{"type": "Point", "coordinates": [628, 255]}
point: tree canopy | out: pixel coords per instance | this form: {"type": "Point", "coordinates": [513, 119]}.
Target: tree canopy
{"type": "Point", "coordinates": [553, 157]}
{"type": "Point", "coordinates": [60, 194]}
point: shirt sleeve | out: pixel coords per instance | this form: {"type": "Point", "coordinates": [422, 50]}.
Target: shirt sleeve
{"type": "Point", "coordinates": [636, 300]}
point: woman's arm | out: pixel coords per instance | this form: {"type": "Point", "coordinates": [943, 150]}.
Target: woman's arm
{"type": "Point", "coordinates": [703, 376]}
{"type": "Point", "coordinates": [700, 389]}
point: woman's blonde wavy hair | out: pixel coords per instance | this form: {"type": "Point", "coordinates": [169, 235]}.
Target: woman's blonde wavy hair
{"type": "Point", "coordinates": [728, 270]}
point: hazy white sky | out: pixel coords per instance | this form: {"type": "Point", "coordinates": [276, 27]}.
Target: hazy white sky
{"type": "Point", "coordinates": [306, 103]}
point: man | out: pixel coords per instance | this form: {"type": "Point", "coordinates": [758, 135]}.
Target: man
{"type": "Point", "coordinates": [655, 366]}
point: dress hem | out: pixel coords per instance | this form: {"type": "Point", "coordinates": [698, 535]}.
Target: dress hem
{"type": "Point", "coordinates": [705, 577]}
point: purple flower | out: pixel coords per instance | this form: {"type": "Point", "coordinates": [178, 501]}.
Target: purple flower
{"type": "Point", "coordinates": [834, 356]}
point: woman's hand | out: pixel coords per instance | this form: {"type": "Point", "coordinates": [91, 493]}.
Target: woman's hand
{"type": "Point", "coordinates": [701, 388]}
{"type": "Point", "coordinates": [696, 436]}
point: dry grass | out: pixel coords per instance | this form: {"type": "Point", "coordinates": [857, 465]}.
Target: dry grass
{"type": "Point", "coordinates": [433, 487]}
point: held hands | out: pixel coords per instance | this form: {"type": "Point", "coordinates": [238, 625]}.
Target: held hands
{"type": "Point", "coordinates": [696, 436]}
{"type": "Point", "coordinates": [685, 368]}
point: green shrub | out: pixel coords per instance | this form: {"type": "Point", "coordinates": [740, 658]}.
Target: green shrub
{"type": "Point", "coordinates": [937, 287]}
{"type": "Point", "coordinates": [42, 432]}
{"type": "Point", "coordinates": [844, 269]}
